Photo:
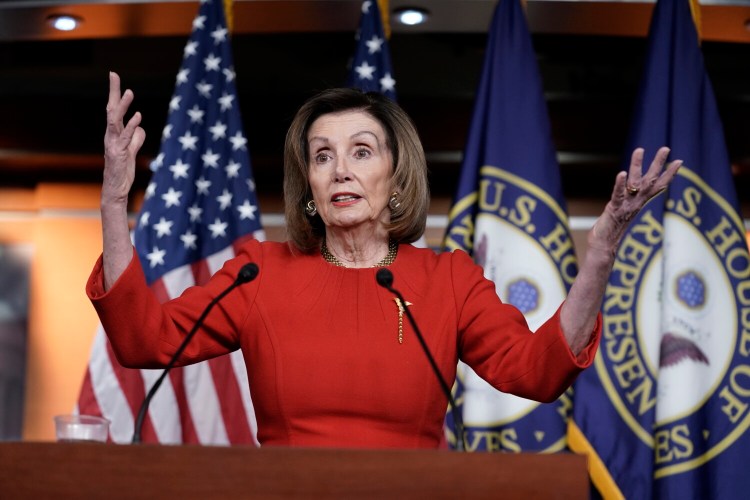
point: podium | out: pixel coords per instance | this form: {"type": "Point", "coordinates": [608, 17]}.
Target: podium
{"type": "Point", "coordinates": [90, 470]}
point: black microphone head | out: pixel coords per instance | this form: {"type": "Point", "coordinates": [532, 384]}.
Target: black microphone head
{"type": "Point", "coordinates": [247, 273]}
{"type": "Point", "coordinates": [384, 277]}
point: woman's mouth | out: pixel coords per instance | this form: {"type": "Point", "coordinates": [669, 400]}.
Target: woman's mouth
{"type": "Point", "coordinates": [343, 199]}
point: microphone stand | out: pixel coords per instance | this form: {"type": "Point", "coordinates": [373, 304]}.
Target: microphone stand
{"type": "Point", "coordinates": [385, 279]}
{"type": "Point", "coordinates": [247, 273]}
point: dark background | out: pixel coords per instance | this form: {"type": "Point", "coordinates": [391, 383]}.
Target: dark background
{"type": "Point", "coordinates": [53, 88]}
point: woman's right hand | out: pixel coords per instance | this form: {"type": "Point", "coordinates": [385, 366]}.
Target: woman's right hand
{"type": "Point", "coordinates": [121, 144]}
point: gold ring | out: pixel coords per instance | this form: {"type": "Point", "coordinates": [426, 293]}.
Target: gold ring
{"type": "Point", "coordinates": [632, 190]}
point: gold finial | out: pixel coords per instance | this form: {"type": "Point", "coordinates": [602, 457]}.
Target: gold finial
{"type": "Point", "coordinates": [228, 14]}
{"type": "Point", "coordinates": [695, 10]}
{"type": "Point", "coordinates": [385, 16]}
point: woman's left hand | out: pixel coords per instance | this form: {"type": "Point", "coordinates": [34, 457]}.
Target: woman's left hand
{"type": "Point", "coordinates": [631, 192]}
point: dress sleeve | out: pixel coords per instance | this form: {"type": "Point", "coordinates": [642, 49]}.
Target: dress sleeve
{"type": "Point", "coordinates": [495, 340]}
{"type": "Point", "coordinates": [144, 333]}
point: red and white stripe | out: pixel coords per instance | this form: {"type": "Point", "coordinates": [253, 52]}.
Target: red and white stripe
{"type": "Point", "coordinates": [205, 403]}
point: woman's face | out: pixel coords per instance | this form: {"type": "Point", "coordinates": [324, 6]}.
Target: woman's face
{"type": "Point", "coordinates": [350, 168]}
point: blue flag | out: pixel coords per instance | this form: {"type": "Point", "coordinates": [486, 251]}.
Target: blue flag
{"type": "Point", "coordinates": [509, 214]}
{"type": "Point", "coordinates": [371, 68]}
{"type": "Point", "coordinates": [200, 202]}
{"type": "Point", "coordinates": [665, 412]}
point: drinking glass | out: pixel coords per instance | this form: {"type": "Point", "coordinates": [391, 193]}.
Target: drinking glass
{"type": "Point", "coordinates": [77, 428]}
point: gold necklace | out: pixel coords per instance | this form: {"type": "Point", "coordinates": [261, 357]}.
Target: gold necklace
{"type": "Point", "coordinates": [385, 261]}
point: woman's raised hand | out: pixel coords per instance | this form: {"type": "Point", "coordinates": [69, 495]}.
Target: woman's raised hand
{"type": "Point", "coordinates": [632, 191]}
{"type": "Point", "coordinates": [121, 144]}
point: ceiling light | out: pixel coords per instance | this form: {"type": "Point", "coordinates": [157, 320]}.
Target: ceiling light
{"type": "Point", "coordinates": [411, 16]}
{"type": "Point", "coordinates": [64, 22]}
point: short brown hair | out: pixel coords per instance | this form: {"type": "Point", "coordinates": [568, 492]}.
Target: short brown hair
{"type": "Point", "coordinates": [409, 166]}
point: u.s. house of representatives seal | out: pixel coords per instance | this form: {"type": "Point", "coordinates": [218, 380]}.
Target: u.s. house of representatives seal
{"type": "Point", "coordinates": [522, 241]}
{"type": "Point", "coordinates": [675, 353]}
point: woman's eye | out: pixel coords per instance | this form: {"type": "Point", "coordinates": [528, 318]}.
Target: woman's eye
{"type": "Point", "coordinates": [362, 153]}
{"type": "Point", "coordinates": [321, 157]}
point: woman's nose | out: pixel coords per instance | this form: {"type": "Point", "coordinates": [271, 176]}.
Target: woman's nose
{"type": "Point", "coordinates": [342, 172]}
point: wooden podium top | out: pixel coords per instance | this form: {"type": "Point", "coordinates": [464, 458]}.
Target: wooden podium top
{"type": "Point", "coordinates": [83, 470]}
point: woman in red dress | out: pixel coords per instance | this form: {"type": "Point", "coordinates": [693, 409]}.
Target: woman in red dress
{"type": "Point", "coordinates": [330, 359]}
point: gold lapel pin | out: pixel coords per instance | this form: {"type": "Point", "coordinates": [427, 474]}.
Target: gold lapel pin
{"type": "Point", "coordinates": [401, 319]}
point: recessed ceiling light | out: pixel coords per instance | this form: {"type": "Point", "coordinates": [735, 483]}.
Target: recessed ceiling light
{"type": "Point", "coordinates": [411, 16]}
{"type": "Point", "coordinates": [64, 22]}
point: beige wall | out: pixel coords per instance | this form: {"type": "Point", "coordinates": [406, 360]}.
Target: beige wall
{"type": "Point", "coordinates": [60, 223]}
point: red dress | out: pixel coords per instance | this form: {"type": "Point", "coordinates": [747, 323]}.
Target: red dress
{"type": "Point", "coordinates": [321, 342]}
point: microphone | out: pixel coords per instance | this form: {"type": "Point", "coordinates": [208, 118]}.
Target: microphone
{"type": "Point", "coordinates": [384, 278]}
{"type": "Point", "coordinates": [247, 273]}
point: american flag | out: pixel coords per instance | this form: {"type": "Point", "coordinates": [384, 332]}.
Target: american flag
{"type": "Point", "coordinates": [371, 66]}
{"type": "Point", "coordinates": [200, 202]}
